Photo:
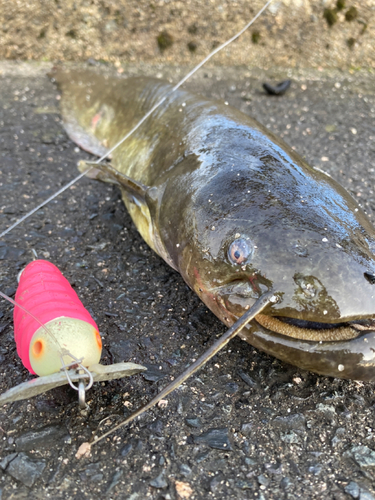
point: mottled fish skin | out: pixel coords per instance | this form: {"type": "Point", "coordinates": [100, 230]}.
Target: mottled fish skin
{"type": "Point", "coordinates": [216, 176]}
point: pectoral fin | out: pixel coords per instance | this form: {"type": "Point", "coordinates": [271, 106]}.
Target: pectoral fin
{"type": "Point", "coordinates": [106, 173]}
{"type": "Point", "coordinates": [141, 201]}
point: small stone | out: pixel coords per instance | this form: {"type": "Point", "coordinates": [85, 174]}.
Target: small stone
{"type": "Point", "coordinates": [115, 480]}
{"type": "Point", "coordinates": [216, 481]}
{"type": "Point", "coordinates": [157, 427]}
{"type": "Point", "coordinates": [215, 438]}
{"type": "Point", "coordinates": [91, 473]}
{"type": "Point", "coordinates": [246, 429]}
{"type": "Point", "coordinates": [185, 470]}
{"type": "Point", "coordinates": [193, 422]}
{"type": "Point", "coordinates": [290, 438]}
{"type": "Point", "coordinates": [274, 468]}
{"type": "Point", "coordinates": [231, 388]}
{"type": "Point", "coordinates": [296, 421]}
{"type": "Point", "coordinates": [41, 438]}
{"type": "Point", "coordinates": [250, 461]}
{"type": "Point", "coordinates": [286, 483]}
{"type": "Point", "coordinates": [126, 449]}
{"type": "Point", "coordinates": [340, 431]}
{"type": "Point", "coordinates": [159, 482]}
{"type": "Point", "coordinates": [315, 469]}
{"type": "Point", "coordinates": [153, 374]}
{"type": "Point", "coordinates": [336, 441]}
{"type": "Point", "coordinates": [6, 460]}
{"type": "Point", "coordinates": [352, 489]}
{"type": "Point", "coordinates": [183, 490]}
{"type": "Point", "coordinates": [365, 495]}
{"type": "Point", "coordinates": [329, 411]}
{"type": "Point", "coordinates": [83, 451]}
{"type": "Point", "coordinates": [263, 480]}
{"type": "Point", "coordinates": [201, 456]}
{"type": "Point", "coordinates": [25, 469]}
{"type": "Point", "coordinates": [248, 380]}
{"type": "Point", "coordinates": [244, 485]}
{"type": "Point", "coordinates": [364, 456]}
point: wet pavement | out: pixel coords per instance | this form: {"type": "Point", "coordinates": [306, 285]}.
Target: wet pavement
{"type": "Point", "coordinates": [247, 425]}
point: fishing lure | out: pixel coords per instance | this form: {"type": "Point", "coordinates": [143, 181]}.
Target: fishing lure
{"type": "Point", "coordinates": [68, 326]}
{"type": "Point", "coordinates": [56, 336]}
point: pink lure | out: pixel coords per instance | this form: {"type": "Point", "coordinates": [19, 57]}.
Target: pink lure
{"type": "Point", "coordinates": [45, 292]}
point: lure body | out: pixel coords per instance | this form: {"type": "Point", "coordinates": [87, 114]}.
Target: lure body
{"type": "Point", "coordinates": [238, 213]}
{"type": "Point", "coordinates": [48, 295]}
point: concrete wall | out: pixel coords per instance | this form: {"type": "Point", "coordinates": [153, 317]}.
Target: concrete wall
{"type": "Point", "coordinates": [294, 33]}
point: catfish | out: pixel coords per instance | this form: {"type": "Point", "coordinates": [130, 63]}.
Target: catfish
{"type": "Point", "coordinates": [238, 214]}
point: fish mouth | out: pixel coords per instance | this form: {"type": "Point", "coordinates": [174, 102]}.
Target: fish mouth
{"type": "Point", "coordinates": [315, 331]}
{"type": "Point", "coordinates": [235, 305]}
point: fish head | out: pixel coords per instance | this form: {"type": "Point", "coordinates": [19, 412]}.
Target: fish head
{"type": "Point", "coordinates": [273, 223]}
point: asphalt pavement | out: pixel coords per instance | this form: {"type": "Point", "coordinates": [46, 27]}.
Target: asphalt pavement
{"type": "Point", "coordinates": [246, 425]}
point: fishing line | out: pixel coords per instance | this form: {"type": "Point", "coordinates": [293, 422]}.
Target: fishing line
{"type": "Point", "coordinates": [221, 342]}
{"type": "Point", "coordinates": [159, 103]}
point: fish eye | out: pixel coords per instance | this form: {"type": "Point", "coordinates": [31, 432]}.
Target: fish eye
{"type": "Point", "coordinates": [239, 251]}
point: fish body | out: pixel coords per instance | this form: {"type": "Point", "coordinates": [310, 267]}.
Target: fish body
{"type": "Point", "coordinates": [237, 213]}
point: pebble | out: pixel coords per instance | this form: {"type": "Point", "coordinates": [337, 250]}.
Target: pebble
{"type": "Point", "coordinates": [194, 422]}
{"type": "Point", "coordinates": [274, 468]}
{"type": "Point", "coordinates": [25, 469]}
{"type": "Point", "coordinates": [115, 480]}
{"type": "Point", "coordinates": [286, 483]}
{"type": "Point", "coordinates": [291, 438]}
{"type": "Point", "coordinates": [185, 470]}
{"type": "Point", "coordinates": [329, 411]}
{"type": "Point", "coordinates": [125, 450]}
{"type": "Point", "coordinates": [364, 456]}
{"type": "Point", "coordinates": [216, 481]}
{"type": "Point", "coordinates": [263, 480]}
{"type": "Point", "coordinates": [248, 380]}
{"type": "Point", "coordinates": [336, 440]}
{"type": "Point", "coordinates": [296, 421]}
{"type": "Point", "coordinates": [244, 485]}
{"type": "Point", "coordinates": [46, 437]}
{"type": "Point", "coordinates": [215, 438]}
{"type": "Point", "coordinates": [153, 373]}
{"type": "Point", "coordinates": [246, 429]}
{"type": "Point", "coordinates": [366, 495]}
{"type": "Point", "coordinates": [200, 457]}
{"type": "Point", "coordinates": [352, 489]}
{"type": "Point", "coordinates": [92, 473]}
{"type": "Point", "coordinates": [231, 388]}
{"type": "Point", "coordinates": [156, 427]}
{"type": "Point", "coordinates": [159, 482]}
{"type": "Point", "coordinates": [315, 469]}
{"type": "Point", "coordinates": [250, 461]}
